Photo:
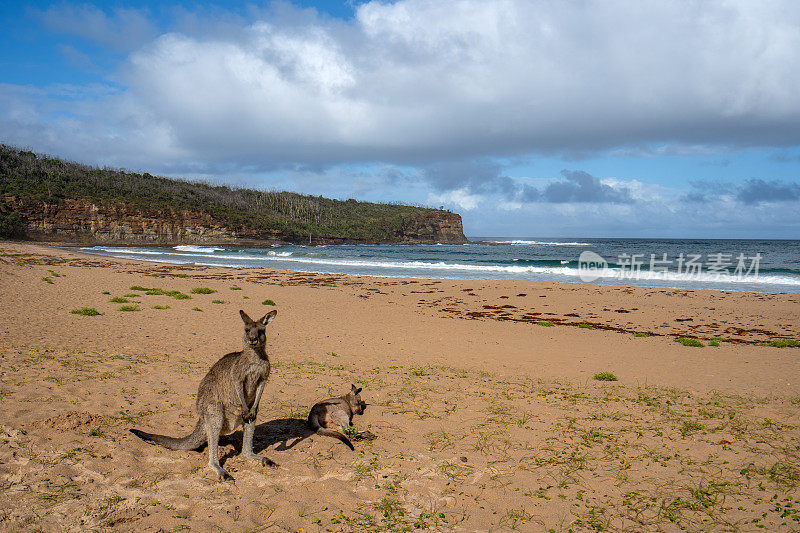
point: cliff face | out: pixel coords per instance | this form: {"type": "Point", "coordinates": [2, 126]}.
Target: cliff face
{"type": "Point", "coordinates": [440, 226]}
{"type": "Point", "coordinates": [82, 221]}
{"type": "Point", "coordinates": [86, 222]}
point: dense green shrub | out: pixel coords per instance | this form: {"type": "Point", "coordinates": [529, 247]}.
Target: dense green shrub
{"type": "Point", "coordinates": [12, 225]}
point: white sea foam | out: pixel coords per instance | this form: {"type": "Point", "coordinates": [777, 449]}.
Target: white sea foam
{"type": "Point", "coordinates": [115, 250]}
{"type": "Point", "coordinates": [570, 272]}
{"type": "Point", "coordinates": [386, 267]}
{"type": "Point", "coordinates": [541, 243]}
{"type": "Point", "coordinates": [197, 249]}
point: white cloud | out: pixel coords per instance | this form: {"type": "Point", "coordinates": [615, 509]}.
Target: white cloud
{"type": "Point", "coordinates": [425, 80]}
{"type": "Point", "coordinates": [643, 192]}
{"type": "Point", "coordinates": [461, 198]}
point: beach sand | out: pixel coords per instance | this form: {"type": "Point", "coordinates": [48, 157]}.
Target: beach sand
{"type": "Point", "coordinates": [486, 418]}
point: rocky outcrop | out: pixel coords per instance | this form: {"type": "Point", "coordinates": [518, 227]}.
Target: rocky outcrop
{"type": "Point", "coordinates": [439, 226]}
{"type": "Point", "coordinates": [87, 222]}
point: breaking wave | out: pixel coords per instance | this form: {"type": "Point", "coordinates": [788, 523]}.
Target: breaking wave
{"type": "Point", "coordinates": [399, 262]}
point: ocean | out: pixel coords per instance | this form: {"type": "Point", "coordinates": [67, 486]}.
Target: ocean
{"type": "Point", "coordinates": [729, 265]}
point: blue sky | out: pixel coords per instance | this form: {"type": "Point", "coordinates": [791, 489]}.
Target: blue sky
{"type": "Point", "coordinates": [529, 118]}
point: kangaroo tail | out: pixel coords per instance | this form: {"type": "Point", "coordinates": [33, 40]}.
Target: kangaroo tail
{"type": "Point", "coordinates": [336, 435]}
{"type": "Point", "coordinates": [190, 442]}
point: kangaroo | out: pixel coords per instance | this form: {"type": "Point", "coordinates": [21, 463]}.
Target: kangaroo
{"type": "Point", "coordinates": [333, 416]}
{"type": "Point", "coordinates": [227, 397]}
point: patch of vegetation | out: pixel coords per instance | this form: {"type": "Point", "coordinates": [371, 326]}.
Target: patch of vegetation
{"type": "Point", "coordinates": [785, 474]}
{"type": "Point", "coordinates": [86, 311]}
{"type": "Point", "coordinates": [217, 301]}
{"type": "Point", "coordinates": [106, 292]}
{"type": "Point", "coordinates": [713, 343]}
{"type": "Point", "coordinates": [235, 288]}
{"type": "Point", "coordinates": [12, 223]}
{"type": "Point", "coordinates": [178, 295]}
{"type": "Point", "coordinates": [128, 308]}
{"type": "Point", "coordinates": [203, 290]}
{"type": "Point", "coordinates": [689, 342]}
{"type": "Point", "coordinates": [160, 307]}
{"type": "Point", "coordinates": [139, 288]}
{"type": "Point", "coordinates": [641, 334]}
{"type": "Point", "coordinates": [782, 343]}
{"type": "Point", "coordinates": [197, 309]}
{"type": "Point", "coordinates": [546, 323]}
{"type": "Point", "coordinates": [296, 411]}
{"type": "Point", "coordinates": [154, 292]}
{"type": "Point", "coordinates": [267, 302]}
{"type": "Point", "coordinates": [515, 517]}
{"type": "Point", "coordinates": [48, 280]}
{"type": "Point", "coordinates": [118, 300]}
{"type": "Point", "coordinates": [605, 376]}
{"type": "Point", "coordinates": [690, 426]}
{"type": "Point", "coordinates": [586, 326]}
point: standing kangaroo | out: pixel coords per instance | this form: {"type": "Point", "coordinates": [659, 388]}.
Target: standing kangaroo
{"type": "Point", "coordinates": [228, 396]}
{"type": "Point", "coordinates": [333, 416]}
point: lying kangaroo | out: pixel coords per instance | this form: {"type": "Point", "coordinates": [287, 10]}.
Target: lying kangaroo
{"type": "Point", "coordinates": [228, 396]}
{"type": "Point", "coordinates": [333, 416]}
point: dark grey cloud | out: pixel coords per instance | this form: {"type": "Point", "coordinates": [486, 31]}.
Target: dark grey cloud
{"type": "Point", "coordinates": [694, 197]}
{"type": "Point", "coordinates": [476, 176]}
{"type": "Point", "coordinates": [579, 186]}
{"type": "Point", "coordinates": [752, 192]}
{"type": "Point", "coordinates": [756, 191]}
{"type": "Point", "coordinates": [486, 177]}
{"type": "Point", "coordinates": [786, 156]}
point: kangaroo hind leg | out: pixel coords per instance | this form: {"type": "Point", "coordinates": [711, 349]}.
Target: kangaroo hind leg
{"type": "Point", "coordinates": [213, 429]}
{"type": "Point", "coordinates": [247, 445]}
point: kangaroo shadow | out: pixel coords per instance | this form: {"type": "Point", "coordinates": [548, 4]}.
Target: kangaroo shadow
{"type": "Point", "coordinates": [286, 432]}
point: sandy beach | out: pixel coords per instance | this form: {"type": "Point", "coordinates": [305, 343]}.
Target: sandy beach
{"type": "Point", "coordinates": [481, 395]}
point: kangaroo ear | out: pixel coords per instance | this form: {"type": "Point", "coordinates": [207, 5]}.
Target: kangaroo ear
{"type": "Point", "coordinates": [354, 390]}
{"type": "Point", "coordinates": [358, 391]}
{"type": "Point", "coordinates": [246, 319]}
{"type": "Point", "coordinates": [266, 319]}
